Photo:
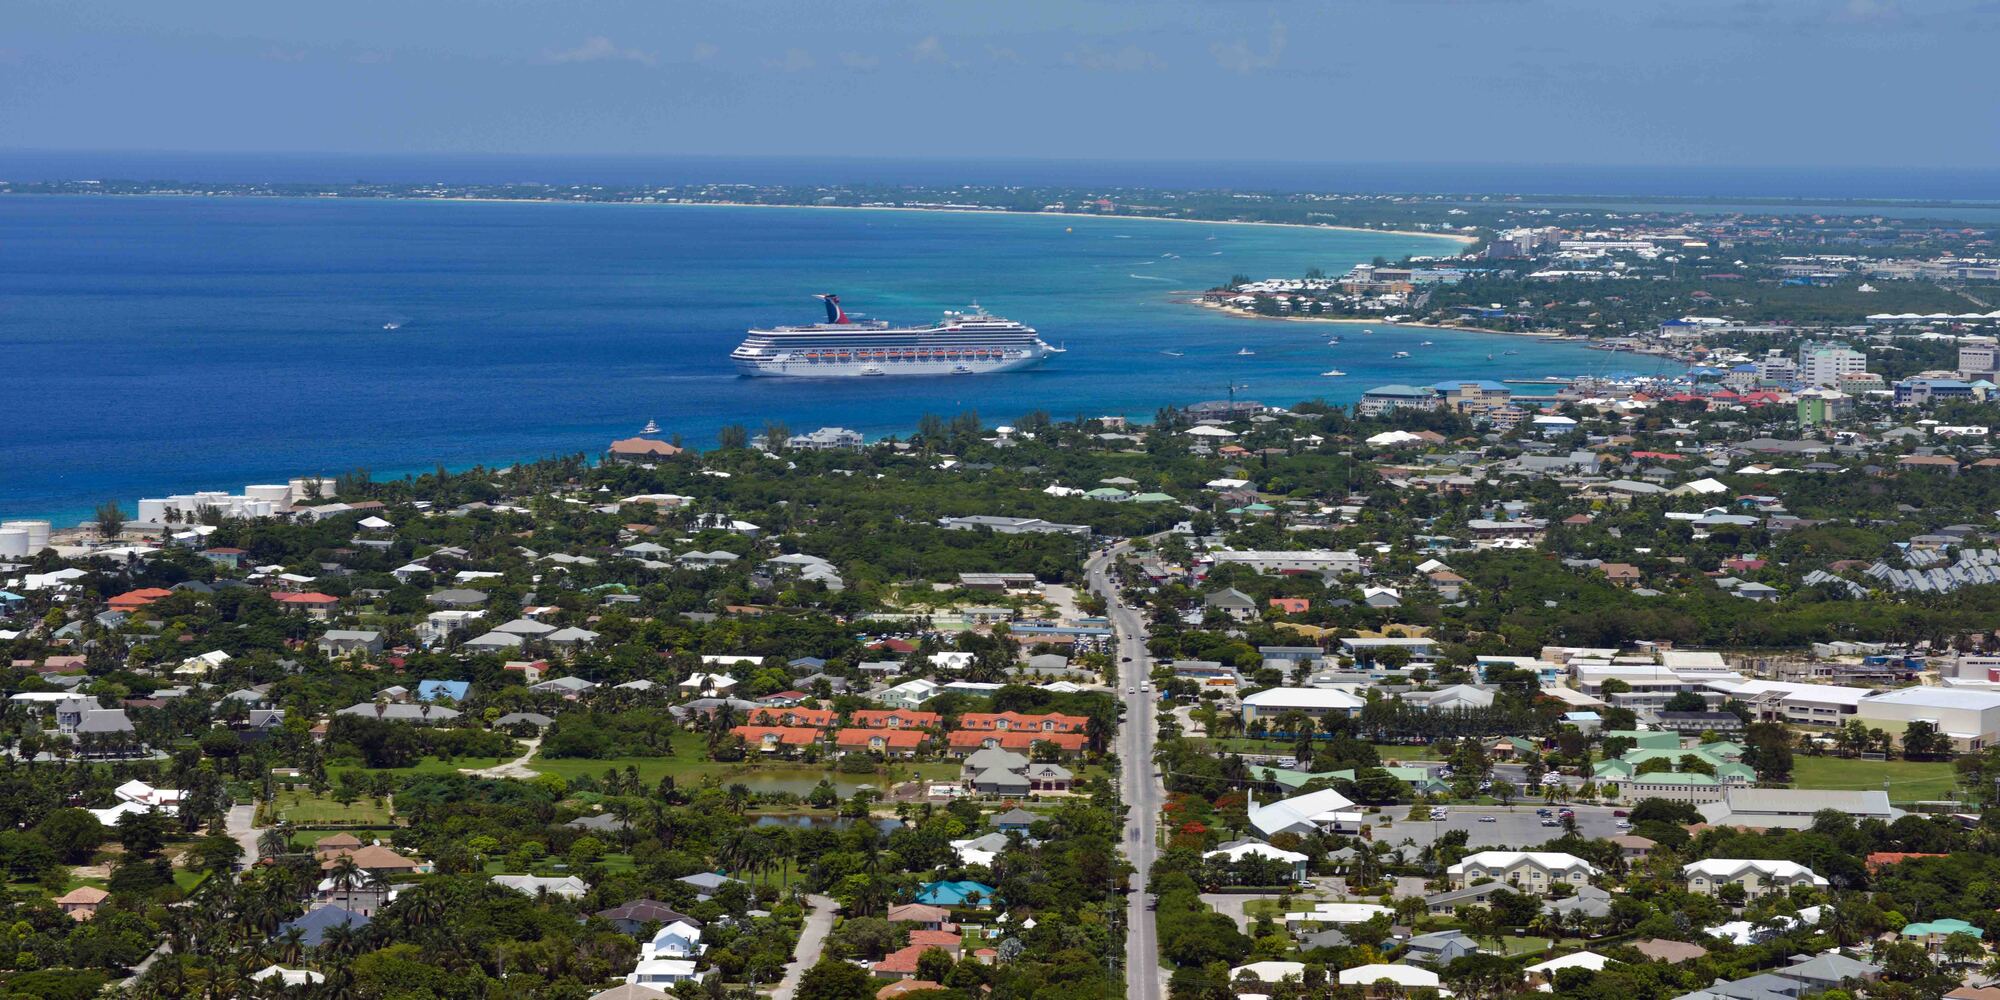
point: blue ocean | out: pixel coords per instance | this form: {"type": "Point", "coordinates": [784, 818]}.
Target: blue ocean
{"type": "Point", "coordinates": [159, 345]}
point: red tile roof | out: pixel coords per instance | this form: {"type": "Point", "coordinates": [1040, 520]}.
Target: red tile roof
{"type": "Point", "coordinates": [1052, 722]}
{"type": "Point", "coordinates": [791, 736]}
{"type": "Point", "coordinates": [893, 718]}
{"type": "Point", "coordinates": [817, 718]}
{"type": "Point", "coordinates": [880, 739]}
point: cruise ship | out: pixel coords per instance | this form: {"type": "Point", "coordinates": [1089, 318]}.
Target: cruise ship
{"type": "Point", "coordinates": [962, 343]}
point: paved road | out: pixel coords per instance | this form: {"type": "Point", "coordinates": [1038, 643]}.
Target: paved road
{"type": "Point", "coordinates": [812, 939]}
{"type": "Point", "coordinates": [1140, 784]}
{"type": "Point", "coordinates": [240, 823]}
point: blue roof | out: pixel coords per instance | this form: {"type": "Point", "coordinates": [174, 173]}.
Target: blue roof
{"type": "Point", "coordinates": [953, 893]}
{"type": "Point", "coordinates": [1398, 389]}
{"type": "Point", "coordinates": [433, 690]}
{"type": "Point", "coordinates": [1486, 384]}
{"type": "Point", "coordinates": [316, 923]}
{"type": "Point", "coordinates": [8, 595]}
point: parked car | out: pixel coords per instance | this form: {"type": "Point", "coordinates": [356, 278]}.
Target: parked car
{"type": "Point", "coordinates": [1488, 819]}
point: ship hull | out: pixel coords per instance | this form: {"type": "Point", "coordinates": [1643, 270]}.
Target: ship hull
{"type": "Point", "coordinates": [790, 367]}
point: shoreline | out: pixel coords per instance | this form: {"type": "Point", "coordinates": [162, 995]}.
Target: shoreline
{"type": "Point", "coordinates": [1417, 324]}
{"type": "Point", "coordinates": [1461, 239]}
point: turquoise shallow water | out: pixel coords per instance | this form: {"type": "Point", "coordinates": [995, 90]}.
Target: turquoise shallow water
{"type": "Point", "coordinates": [160, 345]}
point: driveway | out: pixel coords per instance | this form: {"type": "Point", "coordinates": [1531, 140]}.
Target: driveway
{"type": "Point", "coordinates": [812, 940]}
{"type": "Point", "coordinates": [516, 768]}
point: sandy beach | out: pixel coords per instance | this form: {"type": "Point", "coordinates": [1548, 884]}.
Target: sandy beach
{"type": "Point", "coordinates": [1364, 321]}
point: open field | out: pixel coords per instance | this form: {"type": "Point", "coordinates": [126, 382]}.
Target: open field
{"type": "Point", "coordinates": [1908, 781]}
{"type": "Point", "coordinates": [306, 809]}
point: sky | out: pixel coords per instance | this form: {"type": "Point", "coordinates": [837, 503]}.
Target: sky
{"type": "Point", "coordinates": [1698, 82]}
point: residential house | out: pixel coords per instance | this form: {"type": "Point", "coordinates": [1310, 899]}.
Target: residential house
{"type": "Point", "coordinates": [1533, 872]}
{"type": "Point", "coordinates": [1756, 876]}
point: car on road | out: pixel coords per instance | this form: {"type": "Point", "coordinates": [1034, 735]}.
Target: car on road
{"type": "Point", "coordinates": [1131, 690]}
{"type": "Point", "coordinates": [1620, 813]}
{"type": "Point", "coordinates": [1624, 824]}
{"type": "Point", "coordinates": [1550, 822]}
{"type": "Point", "coordinates": [1488, 819]}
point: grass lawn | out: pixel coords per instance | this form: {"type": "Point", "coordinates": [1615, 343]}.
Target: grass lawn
{"type": "Point", "coordinates": [1909, 781]}
{"type": "Point", "coordinates": [306, 809]}
{"type": "Point", "coordinates": [307, 838]}
{"type": "Point", "coordinates": [690, 766]}
{"type": "Point", "coordinates": [428, 765]}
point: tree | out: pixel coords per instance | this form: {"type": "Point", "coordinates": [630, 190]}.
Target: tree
{"type": "Point", "coordinates": [1922, 741]}
{"type": "Point", "coordinates": [731, 437]}
{"type": "Point", "coordinates": [776, 434]}
{"type": "Point", "coordinates": [1685, 701]}
{"type": "Point", "coordinates": [934, 965]}
{"type": "Point", "coordinates": [1505, 792]}
{"type": "Point", "coordinates": [1767, 748]}
{"type": "Point", "coordinates": [74, 834]}
{"type": "Point", "coordinates": [110, 520]}
{"type": "Point", "coordinates": [832, 979]}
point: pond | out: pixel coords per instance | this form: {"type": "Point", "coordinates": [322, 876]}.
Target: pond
{"type": "Point", "coordinates": [806, 822]}
{"type": "Point", "coordinates": [802, 782]}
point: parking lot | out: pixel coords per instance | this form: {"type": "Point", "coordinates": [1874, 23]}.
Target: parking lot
{"type": "Point", "coordinates": [1515, 826]}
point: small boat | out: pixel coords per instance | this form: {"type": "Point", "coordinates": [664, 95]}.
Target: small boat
{"type": "Point", "coordinates": [1333, 342]}
{"type": "Point", "coordinates": [1244, 353]}
{"type": "Point", "coordinates": [650, 428]}
{"type": "Point", "coordinates": [961, 370]}
{"type": "Point", "coordinates": [1427, 344]}
{"type": "Point", "coordinates": [1510, 352]}
{"type": "Point", "coordinates": [1400, 354]}
{"type": "Point", "coordinates": [1175, 354]}
{"type": "Point", "coordinates": [1334, 373]}
{"type": "Point", "coordinates": [392, 325]}
{"type": "Point", "coordinates": [1489, 357]}
{"type": "Point", "coordinates": [872, 370]}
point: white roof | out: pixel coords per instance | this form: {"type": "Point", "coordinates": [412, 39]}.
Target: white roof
{"type": "Point", "coordinates": [1731, 867]}
{"type": "Point", "coordinates": [1704, 486]}
{"type": "Point", "coordinates": [1255, 849]}
{"type": "Point", "coordinates": [1401, 975]}
{"type": "Point", "coordinates": [1580, 960]}
{"type": "Point", "coordinates": [374, 522]}
{"type": "Point", "coordinates": [1305, 698]}
{"type": "Point", "coordinates": [1930, 697]}
{"type": "Point", "coordinates": [1791, 690]}
{"type": "Point", "coordinates": [1691, 659]}
{"type": "Point", "coordinates": [1552, 860]}
{"type": "Point", "coordinates": [1313, 809]}
{"type": "Point", "coordinates": [1339, 913]}
{"type": "Point", "coordinates": [1270, 972]}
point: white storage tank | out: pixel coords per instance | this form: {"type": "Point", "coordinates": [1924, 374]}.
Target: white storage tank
{"type": "Point", "coordinates": [38, 533]}
{"type": "Point", "coordinates": [277, 495]}
{"type": "Point", "coordinates": [300, 492]}
{"type": "Point", "coordinates": [258, 508]}
{"type": "Point", "coordinates": [13, 542]}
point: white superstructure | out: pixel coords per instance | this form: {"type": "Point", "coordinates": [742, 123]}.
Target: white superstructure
{"type": "Point", "coordinates": [962, 343]}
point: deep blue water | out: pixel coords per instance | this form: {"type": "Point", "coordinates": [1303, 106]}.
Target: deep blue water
{"type": "Point", "coordinates": [1809, 182]}
{"type": "Point", "coordinates": [158, 345]}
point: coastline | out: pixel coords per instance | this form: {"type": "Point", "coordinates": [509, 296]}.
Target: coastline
{"type": "Point", "coordinates": [1418, 324]}
{"type": "Point", "coordinates": [1459, 238]}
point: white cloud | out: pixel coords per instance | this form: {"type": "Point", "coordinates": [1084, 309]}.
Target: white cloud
{"type": "Point", "coordinates": [373, 58]}
{"type": "Point", "coordinates": [860, 61]}
{"type": "Point", "coordinates": [1126, 58]}
{"type": "Point", "coordinates": [598, 48]}
{"type": "Point", "coordinates": [278, 55]}
{"type": "Point", "coordinates": [795, 61]}
{"type": "Point", "coordinates": [704, 51]}
{"type": "Point", "coordinates": [1003, 54]}
{"type": "Point", "coordinates": [1239, 57]}
{"type": "Point", "coordinates": [930, 50]}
